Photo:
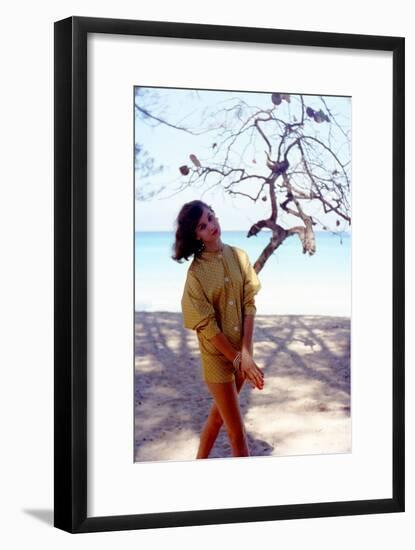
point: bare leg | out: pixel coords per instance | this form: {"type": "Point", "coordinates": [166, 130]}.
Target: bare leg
{"type": "Point", "coordinates": [227, 403]}
{"type": "Point", "coordinates": [214, 423]}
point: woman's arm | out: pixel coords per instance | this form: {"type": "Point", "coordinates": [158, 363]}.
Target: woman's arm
{"type": "Point", "coordinates": [248, 334]}
{"type": "Point", "coordinates": [248, 366]}
{"type": "Point", "coordinates": [223, 345]}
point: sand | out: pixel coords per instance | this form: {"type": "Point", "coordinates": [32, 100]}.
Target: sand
{"type": "Point", "coordinates": [304, 408]}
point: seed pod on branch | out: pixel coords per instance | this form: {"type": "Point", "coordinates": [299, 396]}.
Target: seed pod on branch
{"type": "Point", "coordinates": [195, 160]}
{"type": "Point", "coordinates": [276, 99]}
{"type": "Point", "coordinates": [184, 170]}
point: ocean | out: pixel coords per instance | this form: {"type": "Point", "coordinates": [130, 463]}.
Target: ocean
{"type": "Point", "coordinates": [292, 282]}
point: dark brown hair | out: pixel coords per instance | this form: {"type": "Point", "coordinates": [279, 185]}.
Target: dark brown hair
{"type": "Point", "coordinates": [186, 243]}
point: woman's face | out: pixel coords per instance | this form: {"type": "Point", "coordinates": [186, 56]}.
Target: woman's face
{"type": "Point", "coordinates": [208, 228]}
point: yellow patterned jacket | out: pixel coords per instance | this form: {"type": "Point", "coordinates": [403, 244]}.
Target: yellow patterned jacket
{"type": "Point", "coordinates": [220, 289]}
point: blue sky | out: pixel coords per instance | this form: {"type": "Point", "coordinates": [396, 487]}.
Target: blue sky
{"type": "Point", "coordinates": [172, 148]}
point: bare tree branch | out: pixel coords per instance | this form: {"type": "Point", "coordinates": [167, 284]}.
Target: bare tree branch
{"type": "Point", "coordinates": [305, 174]}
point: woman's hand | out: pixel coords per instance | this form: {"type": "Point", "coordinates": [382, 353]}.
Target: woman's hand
{"type": "Point", "coordinates": [251, 370]}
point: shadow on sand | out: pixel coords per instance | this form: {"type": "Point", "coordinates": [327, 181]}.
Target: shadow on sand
{"type": "Point", "coordinates": [306, 361]}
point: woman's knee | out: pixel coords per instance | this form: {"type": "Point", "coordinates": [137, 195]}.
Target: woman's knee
{"type": "Point", "coordinates": [215, 418]}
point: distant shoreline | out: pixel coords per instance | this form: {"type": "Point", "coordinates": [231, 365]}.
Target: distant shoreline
{"type": "Point", "coordinates": [291, 281]}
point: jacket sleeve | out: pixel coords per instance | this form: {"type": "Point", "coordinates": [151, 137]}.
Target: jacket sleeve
{"type": "Point", "coordinates": [198, 312]}
{"type": "Point", "coordinates": [252, 285]}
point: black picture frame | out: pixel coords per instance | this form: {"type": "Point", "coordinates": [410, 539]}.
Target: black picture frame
{"type": "Point", "coordinates": [70, 290]}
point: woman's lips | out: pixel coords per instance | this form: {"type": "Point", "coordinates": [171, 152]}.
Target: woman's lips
{"type": "Point", "coordinates": [215, 232]}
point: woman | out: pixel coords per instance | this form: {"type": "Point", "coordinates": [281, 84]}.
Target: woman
{"type": "Point", "coordinates": [218, 303]}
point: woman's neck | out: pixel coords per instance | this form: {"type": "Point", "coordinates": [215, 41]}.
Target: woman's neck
{"type": "Point", "coordinates": [216, 247]}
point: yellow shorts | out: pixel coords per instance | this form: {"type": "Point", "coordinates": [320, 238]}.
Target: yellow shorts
{"type": "Point", "coordinates": [217, 369]}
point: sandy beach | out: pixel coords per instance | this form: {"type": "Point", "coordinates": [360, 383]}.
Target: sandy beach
{"type": "Point", "coordinates": [304, 408]}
